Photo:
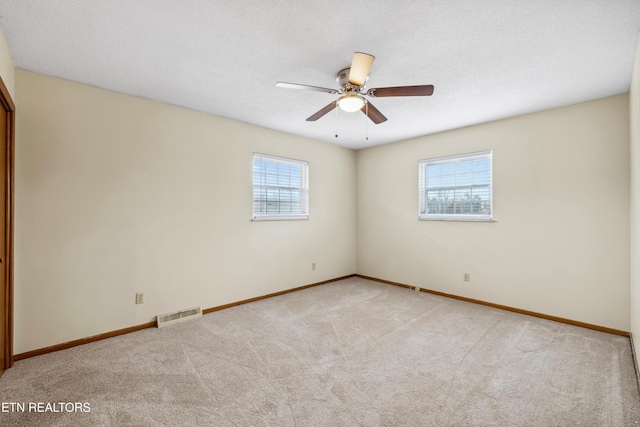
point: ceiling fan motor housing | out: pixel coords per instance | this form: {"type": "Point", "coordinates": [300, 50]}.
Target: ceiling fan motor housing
{"type": "Point", "coordinates": [343, 81]}
{"type": "Point", "coordinates": [343, 77]}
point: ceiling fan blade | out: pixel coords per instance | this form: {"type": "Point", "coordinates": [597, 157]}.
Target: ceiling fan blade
{"type": "Point", "coordinates": [322, 112]}
{"type": "Point", "coordinates": [305, 87]}
{"type": "Point", "coordinates": [423, 90]}
{"type": "Point", "coordinates": [373, 113]}
{"type": "Point", "coordinates": [360, 67]}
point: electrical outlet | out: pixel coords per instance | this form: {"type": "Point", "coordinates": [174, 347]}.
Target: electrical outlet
{"type": "Point", "coordinates": [467, 277]}
{"type": "Point", "coordinates": [313, 265]}
{"type": "Point", "coordinates": [139, 298]}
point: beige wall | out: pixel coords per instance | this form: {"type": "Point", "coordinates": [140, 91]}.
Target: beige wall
{"type": "Point", "coordinates": [117, 195]}
{"type": "Point", "coordinates": [634, 114]}
{"type": "Point", "coordinates": [7, 68]}
{"type": "Point", "coordinates": [560, 243]}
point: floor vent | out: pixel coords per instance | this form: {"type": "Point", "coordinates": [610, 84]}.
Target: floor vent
{"type": "Point", "coordinates": [178, 316]}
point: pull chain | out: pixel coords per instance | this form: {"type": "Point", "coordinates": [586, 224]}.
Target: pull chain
{"type": "Point", "coordinates": [366, 122]}
{"type": "Point", "coordinates": [336, 108]}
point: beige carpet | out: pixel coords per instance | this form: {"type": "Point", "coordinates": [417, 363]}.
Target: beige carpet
{"type": "Point", "coordinates": [349, 353]}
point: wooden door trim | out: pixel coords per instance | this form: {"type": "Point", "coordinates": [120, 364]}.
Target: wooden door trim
{"type": "Point", "coordinates": [9, 106]}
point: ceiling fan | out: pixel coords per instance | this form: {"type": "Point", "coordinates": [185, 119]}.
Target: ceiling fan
{"type": "Point", "coordinates": [352, 89]}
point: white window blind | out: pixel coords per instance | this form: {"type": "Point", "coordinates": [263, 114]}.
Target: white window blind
{"type": "Point", "coordinates": [280, 188]}
{"type": "Point", "coordinates": [456, 187]}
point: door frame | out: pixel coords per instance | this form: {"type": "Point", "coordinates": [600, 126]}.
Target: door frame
{"type": "Point", "coordinates": [7, 104]}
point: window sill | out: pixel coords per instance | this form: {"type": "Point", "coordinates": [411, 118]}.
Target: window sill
{"type": "Point", "coordinates": [281, 218]}
{"type": "Point", "coordinates": [467, 219]}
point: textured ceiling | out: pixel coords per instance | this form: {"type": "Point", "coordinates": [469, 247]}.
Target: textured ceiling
{"type": "Point", "coordinates": [488, 59]}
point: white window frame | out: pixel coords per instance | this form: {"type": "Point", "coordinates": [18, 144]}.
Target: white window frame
{"type": "Point", "coordinates": [302, 187]}
{"type": "Point", "coordinates": [423, 187]}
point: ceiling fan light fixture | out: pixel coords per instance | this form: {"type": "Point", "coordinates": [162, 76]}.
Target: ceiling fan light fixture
{"type": "Point", "coordinates": [351, 103]}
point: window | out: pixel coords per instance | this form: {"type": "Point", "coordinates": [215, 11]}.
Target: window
{"type": "Point", "coordinates": [456, 187]}
{"type": "Point", "coordinates": [280, 188]}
